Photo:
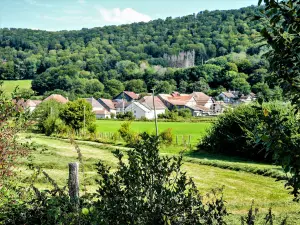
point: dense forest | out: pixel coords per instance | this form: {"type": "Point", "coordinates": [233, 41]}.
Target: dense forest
{"type": "Point", "coordinates": [106, 60]}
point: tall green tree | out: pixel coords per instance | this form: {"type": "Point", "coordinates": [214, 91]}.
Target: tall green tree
{"type": "Point", "coordinates": [77, 114]}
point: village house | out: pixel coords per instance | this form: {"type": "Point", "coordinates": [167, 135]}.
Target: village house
{"type": "Point", "coordinates": [108, 105]}
{"type": "Point", "coordinates": [102, 114]}
{"type": "Point", "coordinates": [95, 104]}
{"type": "Point", "coordinates": [228, 97]}
{"type": "Point", "coordinates": [145, 108]}
{"type": "Point", "coordinates": [177, 100]}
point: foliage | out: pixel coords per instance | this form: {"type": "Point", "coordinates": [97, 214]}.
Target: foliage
{"type": "Point", "coordinates": [125, 116]}
{"type": "Point", "coordinates": [23, 93]}
{"type": "Point", "coordinates": [81, 62]}
{"type": "Point", "coordinates": [279, 134]}
{"type": "Point", "coordinates": [13, 119]}
{"type": "Point", "coordinates": [127, 134]}
{"type": "Point", "coordinates": [230, 135]}
{"type": "Point", "coordinates": [92, 128]}
{"type": "Point", "coordinates": [150, 189]}
{"type": "Point", "coordinates": [176, 114]}
{"type": "Point", "coordinates": [77, 114]}
{"type": "Point", "coordinates": [45, 110]}
{"type": "Point", "coordinates": [282, 33]}
{"type": "Point", "coordinates": [167, 136]}
{"type": "Point", "coordinates": [52, 124]}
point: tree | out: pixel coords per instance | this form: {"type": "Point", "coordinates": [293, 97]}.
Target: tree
{"type": "Point", "coordinates": [164, 87]}
{"type": "Point", "coordinates": [93, 85]}
{"type": "Point", "coordinates": [47, 109]}
{"type": "Point", "coordinates": [136, 85]}
{"type": "Point", "coordinates": [77, 114]}
{"type": "Point", "coordinates": [150, 189]}
{"type": "Point", "coordinates": [113, 87]}
{"type": "Point", "coordinates": [240, 84]}
{"type": "Point", "coordinates": [279, 138]}
{"type": "Point", "coordinates": [283, 36]}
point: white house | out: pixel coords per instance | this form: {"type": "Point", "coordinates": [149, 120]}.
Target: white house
{"type": "Point", "coordinates": [102, 114]}
{"type": "Point", "coordinates": [139, 110]}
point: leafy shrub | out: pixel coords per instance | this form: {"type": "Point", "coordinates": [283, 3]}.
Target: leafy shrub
{"type": "Point", "coordinates": [230, 132]}
{"type": "Point", "coordinates": [50, 108]}
{"type": "Point", "coordinates": [150, 189]}
{"type": "Point", "coordinates": [52, 125]}
{"type": "Point", "coordinates": [125, 116]}
{"type": "Point", "coordinates": [128, 135]}
{"type": "Point", "coordinates": [92, 128]}
{"type": "Point", "coordinates": [167, 136]}
{"type": "Point", "coordinates": [112, 115]}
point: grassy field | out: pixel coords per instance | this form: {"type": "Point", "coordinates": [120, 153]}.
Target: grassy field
{"type": "Point", "coordinates": [10, 85]}
{"type": "Point", "coordinates": [240, 187]}
{"type": "Point", "coordinates": [181, 129]}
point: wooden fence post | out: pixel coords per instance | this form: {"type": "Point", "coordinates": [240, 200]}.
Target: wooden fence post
{"type": "Point", "coordinates": [176, 139]}
{"type": "Point", "coordinates": [74, 182]}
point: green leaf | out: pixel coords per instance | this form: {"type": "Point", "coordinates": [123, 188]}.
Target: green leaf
{"type": "Point", "coordinates": [85, 211]}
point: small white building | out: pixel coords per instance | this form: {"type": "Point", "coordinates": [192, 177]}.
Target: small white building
{"type": "Point", "coordinates": [102, 114]}
{"type": "Point", "coordinates": [140, 110]}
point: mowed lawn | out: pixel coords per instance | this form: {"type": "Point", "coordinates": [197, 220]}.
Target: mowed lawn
{"type": "Point", "coordinates": [10, 85]}
{"type": "Point", "coordinates": [240, 188]}
{"type": "Point", "coordinates": [182, 129]}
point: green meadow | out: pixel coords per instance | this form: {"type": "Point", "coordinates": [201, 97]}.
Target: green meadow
{"type": "Point", "coordinates": [182, 129]}
{"type": "Point", "coordinates": [240, 188]}
{"type": "Point", "coordinates": [10, 85]}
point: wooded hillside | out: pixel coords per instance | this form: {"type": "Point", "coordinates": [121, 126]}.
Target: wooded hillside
{"type": "Point", "coordinates": [106, 60]}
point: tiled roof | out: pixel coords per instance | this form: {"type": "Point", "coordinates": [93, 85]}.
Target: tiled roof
{"type": "Point", "coordinates": [32, 103]}
{"type": "Point", "coordinates": [199, 108]}
{"type": "Point", "coordinates": [108, 102]}
{"type": "Point", "coordinates": [58, 98]}
{"type": "Point", "coordinates": [144, 108]}
{"type": "Point", "coordinates": [201, 98]}
{"type": "Point", "coordinates": [180, 100]}
{"type": "Point", "coordinates": [94, 102]}
{"type": "Point", "coordinates": [131, 94]}
{"type": "Point", "coordinates": [148, 102]}
{"type": "Point", "coordinates": [119, 104]}
{"type": "Point", "coordinates": [228, 94]}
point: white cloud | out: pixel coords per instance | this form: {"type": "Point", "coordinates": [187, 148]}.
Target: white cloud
{"type": "Point", "coordinates": [119, 16]}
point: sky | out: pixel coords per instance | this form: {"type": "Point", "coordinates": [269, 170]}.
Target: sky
{"type": "Point", "coordinates": [54, 15]}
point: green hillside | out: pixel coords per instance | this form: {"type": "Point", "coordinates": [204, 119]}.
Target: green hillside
{"type": "Point", "coordinates": [103, 61]}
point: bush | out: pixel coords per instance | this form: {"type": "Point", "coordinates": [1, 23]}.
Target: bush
{"type": "Point", "coordinates": [112, 115]}
{"type": "Point", "coordinates": [125, 116]}
{"type": "Point", "coordinates": [229, 134]}
{"type": "Point", "coordinates": [167, 136]}
{"type": "Point", "coordinates": [92, 128]}
{"type": "Point", "coordinates": [128, 135]}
